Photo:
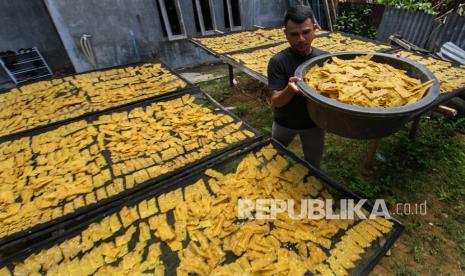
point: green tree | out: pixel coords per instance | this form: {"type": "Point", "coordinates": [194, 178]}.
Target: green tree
{"type": "Point", "coordinates": [356, 22]}
{"type": "Point", "coordinates": [419, 5]}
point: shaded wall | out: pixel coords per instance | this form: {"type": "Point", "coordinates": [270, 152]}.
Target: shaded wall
{"type": "Point", "coordinates": [25, 24]}
{"type": "Point", "coordinates": [110, 22]}
{"type": "Point", "coordinates": [269, 13]}
{"type": "Point", "coordinates": [55, 26]}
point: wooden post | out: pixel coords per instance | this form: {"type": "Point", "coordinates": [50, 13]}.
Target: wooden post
{"type": "Point", "coordinates": [328, 14]}
{"type": "Point", "coordinates": [414, 129]}
{"type": "Point", "coordinates": [231, 75]}
{"type": "Point", "coordinates": [372, 154]}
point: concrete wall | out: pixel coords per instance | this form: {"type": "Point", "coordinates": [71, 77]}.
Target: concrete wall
{"type": "Point", "coordinates": [111, 21]}
{"type": "Point", "coordinates": [26, 23]}
{"type": "Point", "coordinates": [269, 13]}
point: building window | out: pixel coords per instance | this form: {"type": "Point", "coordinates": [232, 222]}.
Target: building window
{"type": "Point", "coordinates": [172, 22]}
{"type": "Point", "coordinates": [232, 14]}
{"type": "Point", "coordinates": [204, 19]}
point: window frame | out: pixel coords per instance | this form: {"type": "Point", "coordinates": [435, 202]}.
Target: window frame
{"type": "Point", "coordinates": [232, 27]}
{"type": "Point", "coordinates": [166, 21]}
{"type": "Point", "coordinates": [200, 17]}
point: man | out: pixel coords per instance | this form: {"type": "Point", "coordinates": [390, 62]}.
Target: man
{"type": "Point", "coordinates": [290, 116]}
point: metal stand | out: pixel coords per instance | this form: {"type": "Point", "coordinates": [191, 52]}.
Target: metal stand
{"type": "Point", "coordinates": [414, 129]}
{"type": "Point", "coordinates": [27, 66]}
{"type": "Point", "coordinates": [231, 75]}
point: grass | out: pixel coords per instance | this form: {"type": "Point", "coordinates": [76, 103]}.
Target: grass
{"type": "Point", "coordinates": [402, 270]}
{"type": "Point", "coordinates": [431, 168]}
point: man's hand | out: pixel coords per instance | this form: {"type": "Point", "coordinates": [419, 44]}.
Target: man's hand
{"type": "Point", "coordinates": [280, 98]}
{"type": "Point", "coordinates": [291, 86]}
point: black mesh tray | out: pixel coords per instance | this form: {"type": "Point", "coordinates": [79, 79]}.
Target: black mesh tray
{"type": "Point", "coordinates": [82, 116]}
{"type": "Point", "coordinates": [226, 164]}
{"type": "Point", "coordinates": [23, 238]}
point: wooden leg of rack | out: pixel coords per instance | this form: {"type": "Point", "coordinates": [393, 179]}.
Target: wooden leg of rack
{"type": "Point", "coordinates": [414, 129]}
{"type": "Point", "coordinates": [231, 75]}
{"type": "Point", "coordinates": [372, 154]}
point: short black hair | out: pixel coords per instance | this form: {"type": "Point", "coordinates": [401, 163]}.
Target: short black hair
{"type": "Point", "coordinates": [298, 14]}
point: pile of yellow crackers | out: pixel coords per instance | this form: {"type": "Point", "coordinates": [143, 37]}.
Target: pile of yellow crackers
{"type": "Point", "coordinates": [242, 40]}
{"type": "Point", "coordinates": [363, 82]}
{"type": "Point", "coordinates": [337, 42]}
{"type": "Point", "coordinates": [450, 77]}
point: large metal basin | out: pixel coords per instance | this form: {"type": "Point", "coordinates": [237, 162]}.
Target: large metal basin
{"type": "Point", "coordinates": [361, 122]}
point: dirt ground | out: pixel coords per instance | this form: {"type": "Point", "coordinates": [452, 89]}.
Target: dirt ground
{"type": "Point", "coordinates": [431, 169]}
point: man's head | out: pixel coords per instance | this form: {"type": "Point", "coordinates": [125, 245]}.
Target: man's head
{"type": "Point", "coordinates": [299, 27]}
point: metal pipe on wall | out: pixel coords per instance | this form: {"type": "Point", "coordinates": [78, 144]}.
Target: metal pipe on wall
{"type": "Point", "coordinates": [87, 49]}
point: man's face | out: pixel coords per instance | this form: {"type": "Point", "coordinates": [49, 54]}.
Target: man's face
{"type": "Point", "coordinates": [300, 36]}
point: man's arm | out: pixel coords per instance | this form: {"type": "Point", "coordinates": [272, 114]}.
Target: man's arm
{"type": "Point", "coordinates": [282, 97]}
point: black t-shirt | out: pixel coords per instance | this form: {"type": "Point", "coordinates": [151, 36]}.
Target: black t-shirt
{"type": "Point", "coordinates": [281, 67]}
